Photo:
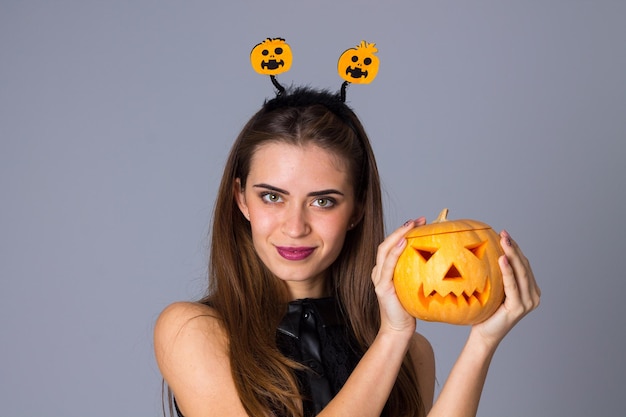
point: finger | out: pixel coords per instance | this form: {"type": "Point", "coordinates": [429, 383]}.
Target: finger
{"type": "Point", "coordinates": [519, 261]}
{"type": "Point", "coordinates": [420, 221]}
{"type": "Point", "coordinates": [392, 247]}
{"type": "Point", "coordinates": [511, 289]}
{"type": "Point", "coordinates": [529, 292]}
{"type": "Point", "coordinates": [395, 241]}
{"type": "Point", "coordinates": [387, 267]}
{"type": "Point", "coordinates": [395, 237]}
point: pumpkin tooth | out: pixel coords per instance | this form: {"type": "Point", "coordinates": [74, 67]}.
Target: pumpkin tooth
{"type": "Point", "coordinates": [458, 292]}
{"type": "Point", "coordinates": [473, 299]}
{"type": "Point", "coordinates": [422, 297]}
{"type": "Point", "coordinates": [466, 299]}
{"type": "Point", "coordinates": [463, 299]}
{"type": "Point", "coordinates": [483, 296]}
{"type": "Point", "coordinates": [450, 298]}
{"type": "Point", "coordinates": [427, 289]}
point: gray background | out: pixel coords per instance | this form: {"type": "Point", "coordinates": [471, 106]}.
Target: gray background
{"type": "Point", "coordinates": [116, 117]}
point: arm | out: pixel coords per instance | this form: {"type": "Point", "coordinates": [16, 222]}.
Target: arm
{"type": "Point", "coordinates": [461, 392]}
{"type": "Point", "coordinates": [366, 391]}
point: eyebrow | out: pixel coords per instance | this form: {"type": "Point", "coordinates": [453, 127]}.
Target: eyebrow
{"type": "Point", "coordinates": [311, 194]}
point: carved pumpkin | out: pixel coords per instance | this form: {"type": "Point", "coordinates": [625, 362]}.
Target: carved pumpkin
{"type": "Point", "coordinates": [449, 271]}
{"type": "Point", "coordinates": [359, 65]}
{"type": "Point", "coordinates": [271, 57]}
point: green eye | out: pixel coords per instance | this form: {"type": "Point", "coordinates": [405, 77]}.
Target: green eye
{"type": "Point", "coordinates": [323, 202]}
{"type": "Point", "coordinates": [271, 197]}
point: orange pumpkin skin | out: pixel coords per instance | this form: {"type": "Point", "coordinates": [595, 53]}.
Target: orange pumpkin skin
{"type": "Point", "coordinates": [449, 272]}
{"type": "Point", "coordinates": [273, 56]}
{"type": "Point", "coordinates": [359, 65]}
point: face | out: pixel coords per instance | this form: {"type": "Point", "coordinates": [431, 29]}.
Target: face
{"type": "Point", "coordinates": [300, 204]}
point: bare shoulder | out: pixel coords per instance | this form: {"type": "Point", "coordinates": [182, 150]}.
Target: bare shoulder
{"type": "Point", "coordinates": [186, 329]}
{"type": "Point", "coordinates": [179, 315]}
{"type": "Point", "coordinates": [424, 362]}
{"type": "Point", "coordinates": [191, 350]}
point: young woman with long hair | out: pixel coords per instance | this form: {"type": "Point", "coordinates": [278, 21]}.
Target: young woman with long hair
{"type": "Point", "coordinates": [301, 316]}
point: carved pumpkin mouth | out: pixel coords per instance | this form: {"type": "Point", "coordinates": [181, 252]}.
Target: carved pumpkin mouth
{"type": "Point", "coordinates": [463, 298]}
{"type": "Point", "coordinates": [272, 64]}
{"type": "Point", "coordinates": [356, 72]}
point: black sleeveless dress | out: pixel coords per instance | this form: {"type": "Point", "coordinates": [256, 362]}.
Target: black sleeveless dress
{"type": "Point", "coordinates": [314, 333]}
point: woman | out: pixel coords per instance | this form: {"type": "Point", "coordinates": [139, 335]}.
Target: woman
{"type": "Point", "coordinates": [301, 316]}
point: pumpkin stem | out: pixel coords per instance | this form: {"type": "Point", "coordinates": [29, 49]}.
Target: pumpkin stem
{"type": "Point", "coordinates": [443, 216]}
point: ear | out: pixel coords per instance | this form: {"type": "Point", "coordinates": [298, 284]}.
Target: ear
{"type": "Point", "coordinates": [356, 218]}
{"type": "Point", "coordinates": [240, 197]}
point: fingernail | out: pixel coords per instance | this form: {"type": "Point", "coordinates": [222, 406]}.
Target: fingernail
{"type": "Point", "coordinates": [507, 238]}
{"type": "Point", "coordinates": [408, 222]}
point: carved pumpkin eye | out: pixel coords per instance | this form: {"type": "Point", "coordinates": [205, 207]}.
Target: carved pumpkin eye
{"type": "Point", "coordinates": [478, 249]}
{"type": "Point", "coordinates": [426, 254]}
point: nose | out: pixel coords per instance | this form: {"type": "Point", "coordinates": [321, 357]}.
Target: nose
{"type": "Point", "coordinates": [295, 223]}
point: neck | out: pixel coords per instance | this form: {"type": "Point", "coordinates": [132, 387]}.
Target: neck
{"type": "Point", "coordinates": [300, 290]}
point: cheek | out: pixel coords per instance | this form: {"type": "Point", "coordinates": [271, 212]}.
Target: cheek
{"type": "Point", "coordinates": [334, 233]}
{"type": "Point", "coordinates": [261, 224]}
{"type": "Point", "coordinates": [260, 220]}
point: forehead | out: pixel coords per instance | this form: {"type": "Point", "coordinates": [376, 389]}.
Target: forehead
{"type": "Point", "coordinates": [279, 159]}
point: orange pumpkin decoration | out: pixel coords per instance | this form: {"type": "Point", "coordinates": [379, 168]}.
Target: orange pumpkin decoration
{"type": "Point", "coordinates": [359, 65]}
{"type": "Point", "coordinates": [449, 271]}
{"type": "Point", "coordinates": [271, 57]}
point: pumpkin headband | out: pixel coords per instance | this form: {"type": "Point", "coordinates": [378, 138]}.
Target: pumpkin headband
{"type": "Point", "coordinates": [356, 65]}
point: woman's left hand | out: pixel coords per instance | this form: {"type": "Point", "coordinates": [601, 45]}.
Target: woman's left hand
{"type": "Point", "coordinates": [521, 293]}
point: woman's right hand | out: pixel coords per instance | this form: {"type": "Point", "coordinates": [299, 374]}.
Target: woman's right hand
{"type": "Point", "coordinates": [394, 317]}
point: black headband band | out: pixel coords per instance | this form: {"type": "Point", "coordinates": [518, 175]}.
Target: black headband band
{"type": "Point", "coordinates": [305, 97]}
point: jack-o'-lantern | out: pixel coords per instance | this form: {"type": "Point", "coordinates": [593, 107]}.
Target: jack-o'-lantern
{"type": "Point", "coordinates": [449, 271]}
{"type": "Point", "coordinates": [271, 57]}
{"type": "Point", "coordinates": [359, 65]}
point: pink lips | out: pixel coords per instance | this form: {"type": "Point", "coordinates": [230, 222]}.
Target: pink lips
{"type": "Point", "coordinates": [294, 253]}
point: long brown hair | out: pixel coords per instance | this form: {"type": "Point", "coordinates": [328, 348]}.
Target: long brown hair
{"type": "Point", "coordinates": [250, 301]}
